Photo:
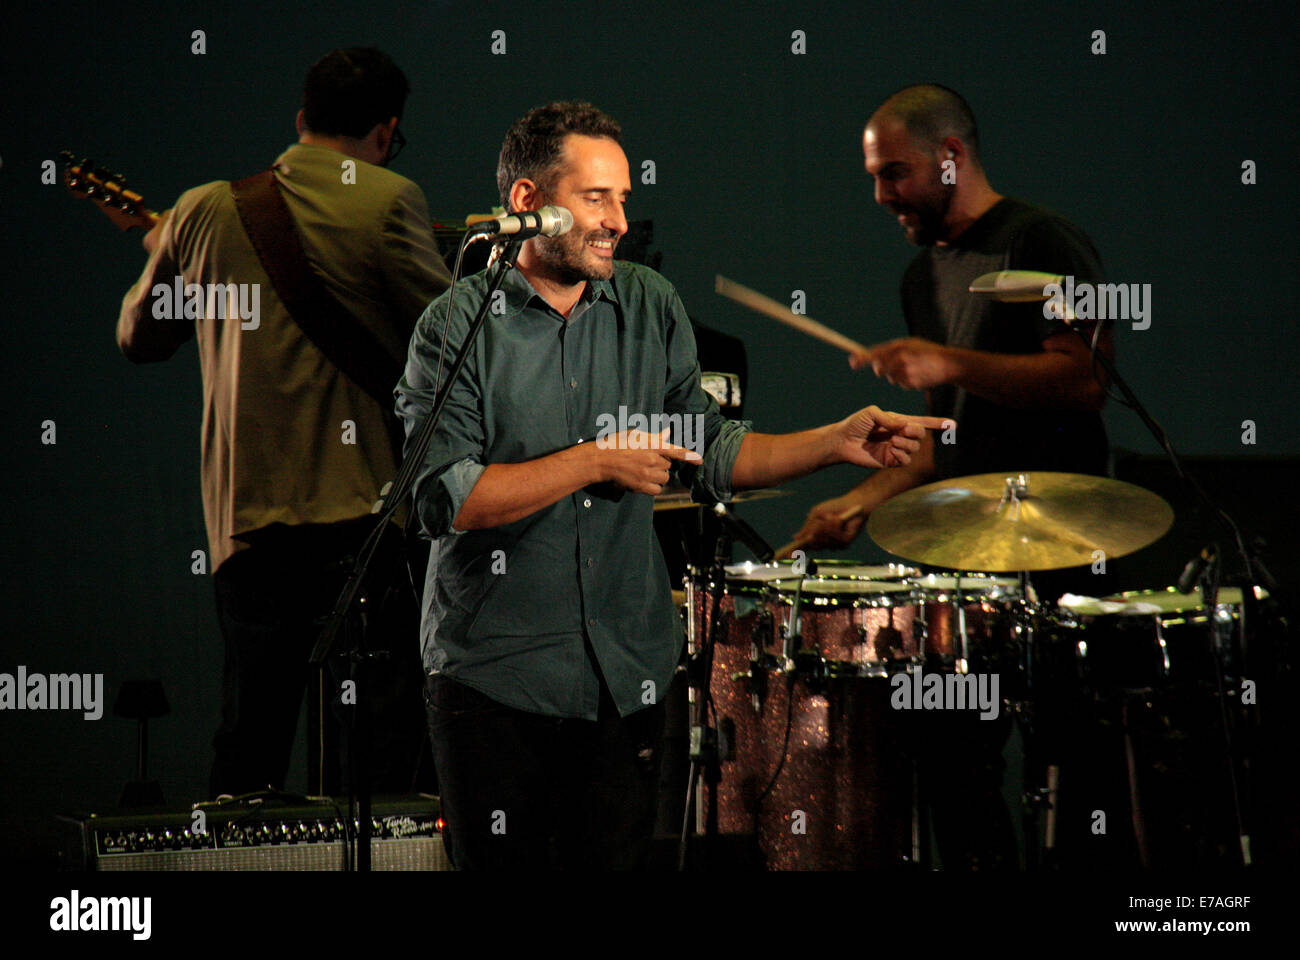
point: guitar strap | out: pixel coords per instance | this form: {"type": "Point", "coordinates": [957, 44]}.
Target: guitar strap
{"type": "Point", "coordinates": [335, 332]}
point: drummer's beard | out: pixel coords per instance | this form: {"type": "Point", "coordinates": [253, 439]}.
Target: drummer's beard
{"type": "Point", "coordinates": [929, 212]}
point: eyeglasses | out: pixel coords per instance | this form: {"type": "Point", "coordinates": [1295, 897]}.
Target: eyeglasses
{"type": "Point", "coordinates": [396, 144]}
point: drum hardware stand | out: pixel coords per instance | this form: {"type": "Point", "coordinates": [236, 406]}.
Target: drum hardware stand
{"type": "Point", "coordinates": [794, 663]}
{"type": "Point", "coordinates": [1253, 571]}
{"type": "Point", "coordinates": [759, 661]}
{"type": "Point", "coordinates": [792, 632]}
{"type": "Point", "coordinates": [1223, 643]}
{"type": "Point", "coordinates": [1053, 789]}
{"type": "Point", "coordinates": [959, 608]}
{"type": "Point", "coordinates": [920, 854]}
{"type": "Point", "coordinates": [1134, 791]}
{"type": "Point", "coordinates": [705, 747]}
{"type": "Point", "coordinates": [920, 811]}
{"type": "Point", "coordinates": [1036, 802]}
{"type": "Point", "coordinates": [1039, 802]}
{"type": "Point", "coordinates": [920, 819]}
{"type": "Point", "coordinates": [918, 837]}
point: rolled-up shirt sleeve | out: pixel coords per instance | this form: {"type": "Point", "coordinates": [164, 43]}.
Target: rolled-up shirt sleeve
{"type": "Point", "coordinates": [142, 335]}
{"type": "Point", "coordinates": [721, 438]}
{"type": "Point", "coordinates": [454, 461]}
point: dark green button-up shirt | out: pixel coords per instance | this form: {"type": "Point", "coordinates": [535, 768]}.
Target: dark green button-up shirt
{"type": "Point", "coordinates": [509, 610]}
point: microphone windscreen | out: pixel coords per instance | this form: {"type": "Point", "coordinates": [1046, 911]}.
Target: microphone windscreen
{"type": "Point", "coordinates": [556, 220]}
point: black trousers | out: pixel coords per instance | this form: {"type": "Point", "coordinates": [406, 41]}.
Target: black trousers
{"type": "Point", "coordinates": [522, 791]}
{"type": "Point", "coordinates": [272, 600]}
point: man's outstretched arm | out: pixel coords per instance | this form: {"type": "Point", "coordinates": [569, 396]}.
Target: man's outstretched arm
{"type": "Point", "coordinates": [838, 521]}
{"type": "Point", "coordinates": [869, 438]}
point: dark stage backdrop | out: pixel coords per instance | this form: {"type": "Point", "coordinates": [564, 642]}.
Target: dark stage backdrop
{"type": "Point", "coordinates": [757, 175]}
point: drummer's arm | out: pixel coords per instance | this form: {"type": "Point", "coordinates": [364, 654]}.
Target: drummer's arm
{"type": "Point", "coordinates": [1059, 378]}
{"type": "Point", "coordinates": [884, 484]}
{"type": "Point", "coordinates": [875, 491]}
{"type": "Point", "coordinates": [838, 521]}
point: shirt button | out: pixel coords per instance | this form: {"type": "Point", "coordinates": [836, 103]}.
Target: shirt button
{"type": "Point", "coordinates": [590, 561]}
{"type": "Point", "coordinates": [591, 621]}
{"type": "Point", "coordinates": [586, 503]}
{"type": "Point", "coordinates": [573, 383]}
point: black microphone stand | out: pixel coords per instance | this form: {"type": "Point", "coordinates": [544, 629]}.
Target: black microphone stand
{"type": "Point", "coordinates": [345, 628]}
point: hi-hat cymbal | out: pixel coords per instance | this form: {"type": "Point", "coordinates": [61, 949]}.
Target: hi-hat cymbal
{"type": "Point", "coordinates": [681, 499]}
{"type": "Point", "coordinates": [1003, 522]}
{"type": "Point", "coordinates": [1014, 286]}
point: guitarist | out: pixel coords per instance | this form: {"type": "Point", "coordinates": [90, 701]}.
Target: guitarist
{"type": "Point", "coordinates": [294, 446]}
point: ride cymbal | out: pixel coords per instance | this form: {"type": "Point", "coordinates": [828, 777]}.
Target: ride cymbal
{"type": "Point", "coordinates": [1004, 522]}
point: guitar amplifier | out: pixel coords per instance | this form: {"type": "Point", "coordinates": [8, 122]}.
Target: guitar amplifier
{"type": "Point", "coordinates": [406, 835]}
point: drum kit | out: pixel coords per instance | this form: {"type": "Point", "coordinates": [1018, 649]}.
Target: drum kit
{"type": "Point", "coordinates": [805, 673]}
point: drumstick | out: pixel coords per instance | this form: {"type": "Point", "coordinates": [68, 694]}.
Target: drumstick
{"type": "Point", "coordinates": [769, 307]}
{"type": "Point", "coordinates": [798, 542]}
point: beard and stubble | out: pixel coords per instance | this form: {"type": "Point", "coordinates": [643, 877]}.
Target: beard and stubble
{"type": "Point", "coordinates": [929, 211]}
{"type": "Point", "coordinates": [569, 259]}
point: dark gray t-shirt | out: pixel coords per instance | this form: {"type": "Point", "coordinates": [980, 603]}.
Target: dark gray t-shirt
{"type": "Point", "coordinates": [938, 306]}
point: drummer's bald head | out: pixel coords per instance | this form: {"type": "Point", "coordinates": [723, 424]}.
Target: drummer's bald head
{"type": "Point", "coordinates": [931, 113]}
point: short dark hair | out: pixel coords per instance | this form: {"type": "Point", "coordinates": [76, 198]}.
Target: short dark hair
{"type": "Point", "coordinates": [931, 112]}
{"type": "Point", "coordinates": [534, 144]}
{"type": "Point", "coordinates": [348, 91]}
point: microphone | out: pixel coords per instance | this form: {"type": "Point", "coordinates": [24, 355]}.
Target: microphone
{"type": "Point", "coordinates": [744, 532]}
{"type": "Point", "coordinates": [1261, 572]}
{"type": "Point", "coordinates": [546, 222]}
{"type": "Point", "coordinates": [1191, 574]}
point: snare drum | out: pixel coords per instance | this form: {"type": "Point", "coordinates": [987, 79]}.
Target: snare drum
{"type": "Point", "coordinates": [750, 572]}
{"type": "Point", "coordinates": [1153, 638]}
{"type": "Point", "coordinates": [857, 627]}
{"type": "Point", "coordinates": [974, 606]}
{"type": "Point", "coordinates": [747, 611]}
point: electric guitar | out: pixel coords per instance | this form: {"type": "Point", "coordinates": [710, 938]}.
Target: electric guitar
{"type": "Point", "coordinates": [124, 207]}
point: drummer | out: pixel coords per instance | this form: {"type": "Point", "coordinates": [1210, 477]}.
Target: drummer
{"type": "Point", "coordinates": [1020, 385]}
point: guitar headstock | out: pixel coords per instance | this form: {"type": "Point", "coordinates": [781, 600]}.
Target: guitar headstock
{"type": "Point", "coordinates": [124, 207]}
